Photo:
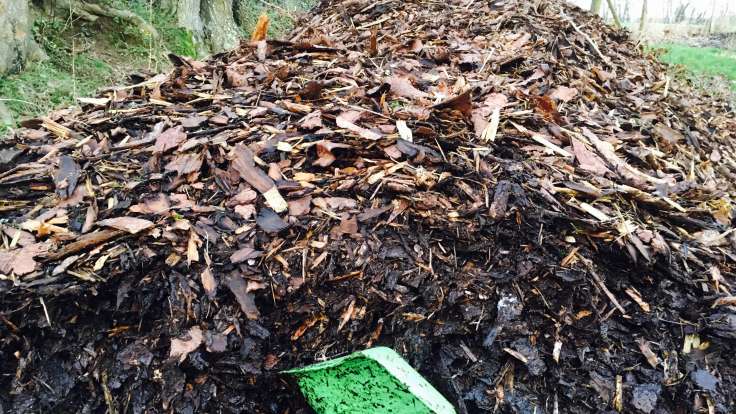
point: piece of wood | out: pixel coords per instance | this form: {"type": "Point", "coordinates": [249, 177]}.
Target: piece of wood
{"type": "Point", "coordinates": [84, 242]}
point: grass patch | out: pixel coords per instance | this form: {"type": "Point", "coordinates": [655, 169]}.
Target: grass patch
{"type": "Point", "coordinates": [56, 81]}
{"type": "Point", "coordinates": [702, 60]}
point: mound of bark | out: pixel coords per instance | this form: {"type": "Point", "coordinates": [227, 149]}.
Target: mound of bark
{"type": "Point", "coordinates": [508, 193]}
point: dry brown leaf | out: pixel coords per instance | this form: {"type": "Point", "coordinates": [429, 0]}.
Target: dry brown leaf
{"type": "Point", "coordinates": [325, 157]}
{"type": "Point", "coordinates": [244, 254]}
{"type": "Point", "coordinates": [246, 300]}
{"type": "Point", "coordinates": [185, 164]}
{"type": "Point", "coordinates": [21, 261]}
{"type": "Point", "coordinates": [345, 120]}
{"type": "Point", "coordinates": [306, 325]}
{"type": "Point", "coordinates": [152, 204]}
{"type": "Point", "coordinates": [563, 93]}
{"type": "Point", "coordinates": [181, 347]}
{"type": "Point", "coordinates": [647, 351]}
{"type": "Point", "coordinates": [311, 91]}
{"type": "Point", "coordinates": [169, 139]}
{"type": "Point", "coordinates": [246, 211]}
{"type": "Point", "coordinates": [334, 203]}
{"type": "Point", "coordinates": [346, 315]}
{"type": "Point", "coordinates": [192, 247]}
{"type": "Point", "coordinates": [208, 282]}
{"type": "Point", "coordinates": [401, 86]}
{"type": "Point", "coordinates": [588, 160]}
{"type": "Point", "coordinates": [461, 103]}
{"type": "Point", "coordinates": [311, 121]}
{"type": "Point", "coordinates": [132, 225]}
{"type": "Point", "coordinates": [300, 206]}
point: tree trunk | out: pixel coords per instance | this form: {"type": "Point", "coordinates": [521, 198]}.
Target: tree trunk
{"type": "Point", "coordinates": [187, 16]}
{"type": "Point", "coordinates": [643, 20]}
{"type": "Point", "coordinates": [614, 14]}
{"type": "Point", "coordinates": [16, 37]}
{"type": "Point", "coordinates": [219, 25]}
{"type": "Point", "coordinates": [595, 6]}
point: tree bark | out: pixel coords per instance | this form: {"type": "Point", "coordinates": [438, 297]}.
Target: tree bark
{"type": "Point", "coordinates": [219, 25]}
{"type": "Point", "coordinates": [595, 7]}
{"type": "Point", "coordinates": [186, 13]}
{"type": "Point", "coordinates": [643, 20]}
{"type": "Point", "coordinates": [16, 37]}
{"type": "Point", "coordinates": [614, 14]}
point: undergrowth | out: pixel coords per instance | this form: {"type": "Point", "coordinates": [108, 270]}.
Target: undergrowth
{"type": "Point", "coordinates": [82, 57]}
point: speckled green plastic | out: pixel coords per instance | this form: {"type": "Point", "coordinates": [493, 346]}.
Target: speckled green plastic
{"type": "Point", "coordinates": [377, 380]}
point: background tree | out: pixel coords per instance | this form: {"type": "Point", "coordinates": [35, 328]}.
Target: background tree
{"type": "Point", "coordinates": [612, 8]}
{"type": "Point", "coordinates": [595, 6]}
{"type": "Point", "coordinates": [643, 19]}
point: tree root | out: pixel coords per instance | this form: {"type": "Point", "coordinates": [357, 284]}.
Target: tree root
{"type": "Point", "coordinates": [100, 10]}
{"type": "Point", "coordinates": [92, 11]}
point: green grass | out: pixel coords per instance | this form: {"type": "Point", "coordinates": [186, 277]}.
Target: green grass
{"type": "Point", "coordinates": [702, 60]}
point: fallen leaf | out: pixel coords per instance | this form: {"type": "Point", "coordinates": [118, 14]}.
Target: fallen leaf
{"type": "Point", "coordinates": [563, 93]}
{"type": "Point", "coordinates": [325, 157]}
{"type": "Point", "coordinates": [193, 121]}
{"type": "Point", "coordinates": [185, 164]}
{"type": "Point", "coordinates": [21, 261]}
{"type": "Point", "coordinates": [66, 176]}
{"type": "Point", "coordinates": [300, 206]}
{"type": "Point", "coordinates": [647, 351]}
{"type": "Point", "coordinates": [181, 347]}
{"type": "Point", "coordinates": [270, 222]}
{"type": "Point", "coordinates": [90, 217]}
{"type": "Point", "coordinates": [152, 204]}
{"type": "Point", "coordinates": [311, 91]}
{"type": "Point", "coordinates": [545, 106]}
{"type": "Point", "coordinates": [346, 226]}
{"type": "Point", "coordinates": [132, 225]}
{"type": "Point", "coordinates": [169, 139]}
{"type": "Point", "coordinates": [244, 254]}
{"type": "Point", "coordinates": [193, 247]}
{"type": "Point", "coordinates": [401, 86]}
{"type": "Point", "coordinates": [208, 282]}
{"type": "Point", "coordinates": [311, 121]}
{"type": "Point", "coordinates": [246, 211]}
{"type": "Point", "coordinates": [346, 315]}
{"type": "Point", "coordinates": [461, 103]}
{"type": "Point", "coordinates": [334, 203]}
{"type": "Point", "coordinates": [588, 160]}
{"type": "Point", "coordinates": [344, 120]}
{"type": "Point", "coordinates": [246, 299]}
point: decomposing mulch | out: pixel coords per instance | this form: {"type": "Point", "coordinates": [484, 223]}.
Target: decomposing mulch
{"type": "Point", "coordinates": [509, 193]}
